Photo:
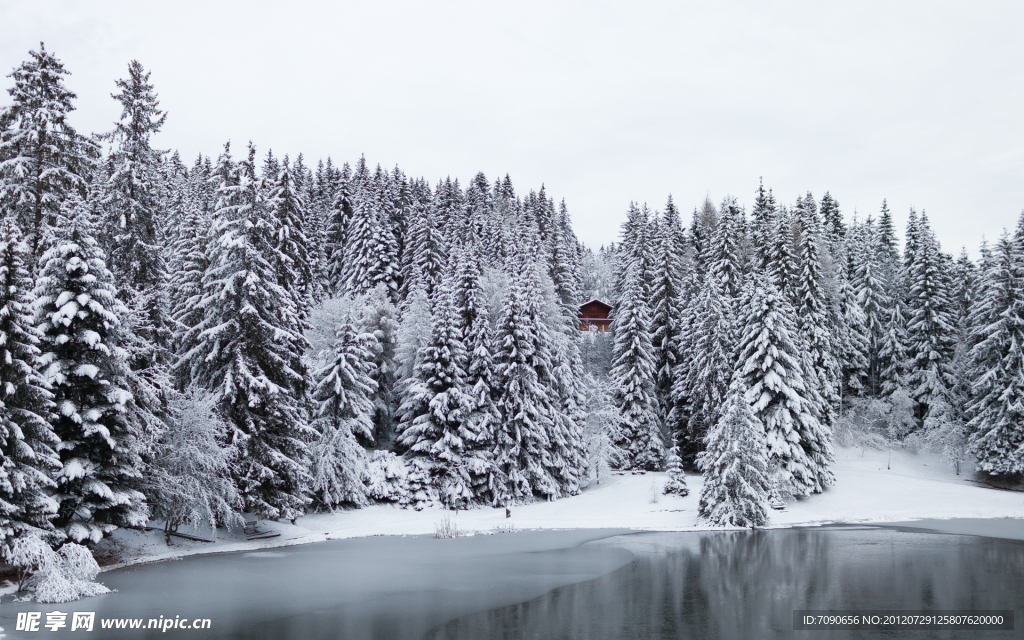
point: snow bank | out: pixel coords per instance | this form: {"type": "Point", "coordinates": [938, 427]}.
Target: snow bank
{"type": "Point", "coordinates": [870, 487]}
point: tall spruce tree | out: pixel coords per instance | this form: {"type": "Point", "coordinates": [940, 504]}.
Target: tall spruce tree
{"type": "Point", "coordinates": [667, 304]}
{"type": "Point", "coordinates": [711, 357]}
{"type": "Point", "coordinates": [799, 446]}
{"type": "Point", "coordinates": [79, 316]}
{"type": "Point", "coordinates": [28, 444]}
{"type": "Point", "coordinates": [133, 213]}
{"type": "Point", "coordinates": [343, 390]}
{"type": "Point", "coordinates": [931, 327]}
{"type": "Point", "coordinates": [42, 157]}
{"type": "Point", "coordinates": [633, 370]}
{"type": "Point", "coordinates": [247, 349]}
{"type": "Point", "coordinates": [526, 405]}
{"type": "Point", "coordinates": [736, 483]}
{"type": "Point", "coordinates": [440, 435]}
{"type": "Point", "coordinates": [996, 408]}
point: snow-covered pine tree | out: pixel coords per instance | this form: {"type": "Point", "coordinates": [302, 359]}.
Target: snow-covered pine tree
{"type": "Point", "coordinates": [414, 331]}
{"type": "Point", "coordinates": [42, 157]}
{"type": "Point", "coordinates": [471, 301]}
{"type": "Point", "coordinates": [762, 228]}
{"type": "Point", "coordinates": [633, 371]}
{"type": "Point", "coordinates": [834, 229]}
{"type": "Point", "coordinates": [247, 349]}
{"type": "Point", "coordinates": [380, 319]}
{"type": "Point", "coordinates": [344, 388]}
{"type": "Point", "coordinates": [852, 336]}
{"type": "Point", "coordinates": [315, 225]}
{"type": "Point", "coordinates": [702, 232]}
{"type": "Point", "coordinates": [426, 251]}
{"type": "Point", "coordinates": [931, 327]}
{"type": "Point", "coordinates": [526, 401]}
{"type": "Point", "coordinates": [680, 395]}
{"type": "Point", "coordinates": [872, 299]}
{"type": "Point", "coordinates": [726, 262]}
{"type": "Point", "coordinates": [711, 363]}
{"type": "Point", "coordinates": [772, 369]}
{"type": "Point", "coordinates": [288, 211]}
{"type": "Point", "coordinates": [735, 466]}
{"type": "Point", "coordinates": [821, 369]}
{"type": "Point", "coordinates": [892, 355]}
{"type": "Point", "coordinates": [368, 256]}
{"type": "Point", "coordinates": [667, 304]}
{"type": "Point", "coordinates": [996, 410]}
{"type": "Point", "coordinates": [439, 435]}
{"type": "Point", "coordinates": [190, 260]}
{"type": "Point", "coordinates": [27, 441]}
{"type": "Point", "coordinates": [568, 454]}
{"type": "Point", "coordinates": [78, 314]}
{"type": "Point", "coordinates": [782, 255]}
{"type": "Point", "coordinates": [676, 478]}
{"type": "Point", "coordinates": [132, 211]}
{"type": "Point", "coordinates": [339, 207]}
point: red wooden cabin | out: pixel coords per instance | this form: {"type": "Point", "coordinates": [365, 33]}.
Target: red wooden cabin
{"type": "Point", "coordinates": [594, 316]}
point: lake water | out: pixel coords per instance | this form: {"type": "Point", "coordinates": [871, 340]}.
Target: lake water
{"type": "Point", "coordinates": [564, 584]}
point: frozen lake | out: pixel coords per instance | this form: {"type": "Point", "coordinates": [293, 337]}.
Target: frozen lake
{"type": "Point", "coordinates": [563, 584]}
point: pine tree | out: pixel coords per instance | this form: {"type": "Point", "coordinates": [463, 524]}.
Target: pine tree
{"type": "Point", "coordinates": [633, 370]}
{"type": "Point", "coordinates": [736, 485]}
{"type": "Point", "coordinates": [667, 305]}
{"type": "Point", "coordinates": [676, 478]}
{"type": "Point", "coordinates": [345, 409]}
{"type": "Point", "coordinates": [380, 320]}
{"type": "Point", "coordinates": [522, 462]}
{"type": "Point", "coordinates": [726, 263]}
{"type": "Point", "coordinates": [42, 157]}
{"type": "Point", "coordinates": [288, 210]}
{"type": "Point", "coordinates": [27, 441]}
{"type": "Point", "coordinates": [471, 301]}
{"type": "Point", "coordinates": [439, 436]}
{"type": "Point", "coordinates": [79, 316]}
{"type": "Point", "coordinates": [821, 369]}
{"type": "Point", "coordinates": [132, 210]}
{"type": "Point", "coordinates": [711, 357]}
{"type": "Point", "coordinates": [872, 299]}
{"type": "Point", "coordinates": [892, 355]}
{"type": "Point", "coordinates": [996, 410]}
{"type": "Point", "coordinates": [931, 327]}
{"type": "Point", "coordinates": [248, 349]}
{"type": "Point", "coordinates": [770, 363]}
{"type": "Point", "coordinates": [763, 221]}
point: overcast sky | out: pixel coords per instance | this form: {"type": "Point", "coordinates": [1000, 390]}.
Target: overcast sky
{"type": "Point", "coordinates": [604, 103]}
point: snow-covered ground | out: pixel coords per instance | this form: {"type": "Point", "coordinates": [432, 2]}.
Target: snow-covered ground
{"type": "Point", "coordinates": [870, 487]}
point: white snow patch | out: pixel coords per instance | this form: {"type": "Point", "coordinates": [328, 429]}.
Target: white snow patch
{"type": "Point", "coordinates": [870, 488]}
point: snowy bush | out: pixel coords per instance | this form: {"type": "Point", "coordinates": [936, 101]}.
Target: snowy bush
{"type": "Point", "coordinates": [191, 481]}
{"type": "Point", "coordinates": [28, 555]}
{"type": "Point", "coordinates": [876, 422]}
{"type": "Point", "coordinates": [943, 434]}
{"type": "Point", "coordinates": [386, 478]}
{"type": "Point", "coordinates": [55, 576]}
{"type": "Point", "coordinates": [69, 576]}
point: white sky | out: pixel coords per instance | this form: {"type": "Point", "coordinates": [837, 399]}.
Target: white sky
{"type": "Point", "coordinates": [917, 102]}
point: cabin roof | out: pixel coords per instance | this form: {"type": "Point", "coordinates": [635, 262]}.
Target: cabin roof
{"type": "Point", "coordinates": [597, 303]}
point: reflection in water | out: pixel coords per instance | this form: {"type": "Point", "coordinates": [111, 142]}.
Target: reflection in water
{"type": "Point", "coordinates": [747, 584]}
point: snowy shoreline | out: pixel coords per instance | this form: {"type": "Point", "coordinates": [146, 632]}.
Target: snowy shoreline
{"type": "Point", "coordinates": [912, 490]}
